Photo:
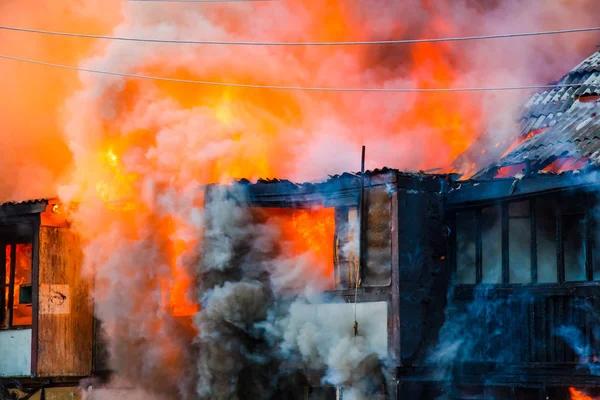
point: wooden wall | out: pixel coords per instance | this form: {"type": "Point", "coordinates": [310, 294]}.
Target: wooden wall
{"type": "Point", "coordinates": [65, 324]}
{"type": "Point", "coordinates": [424, 276]}
{"type": "Point", "coordinates": [378, 237]}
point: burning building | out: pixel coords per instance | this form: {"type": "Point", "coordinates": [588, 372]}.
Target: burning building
{"type": "Point", "coordinates": [379, 284]}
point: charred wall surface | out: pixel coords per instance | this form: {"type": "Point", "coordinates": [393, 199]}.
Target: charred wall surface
{"type": "Point", "coordinates": [522, 309]}
{"type": "Point", "coordinates": [424, 276]}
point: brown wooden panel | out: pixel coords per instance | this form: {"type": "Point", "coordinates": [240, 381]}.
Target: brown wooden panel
{"type": "Point", "coordinates": [378, 238]}
{"type": "Point", "coordinates": [65, 322]}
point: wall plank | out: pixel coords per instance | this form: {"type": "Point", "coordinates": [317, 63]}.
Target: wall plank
{"type": "Point", "coordinates": [65, 327]}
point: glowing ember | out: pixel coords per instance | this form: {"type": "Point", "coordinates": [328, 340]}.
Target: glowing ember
{"type": "Point", "coordinates": [566, 164]}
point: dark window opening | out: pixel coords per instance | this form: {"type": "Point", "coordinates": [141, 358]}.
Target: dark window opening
{"type": "Point", "coordinates": [574, 251]}
{"type": "Point", "coordinates": [15, 276]}
{"type": "Point", "coordinates": [545, 227]}
{"type": "Point", "coordinates": [466, 252]}
{"type": "Point", "coordinates": [491, 245]}
{"type": "Point", "coordinates": [547, 239]}
{"type": "Point", "coordinates": [519, 242]}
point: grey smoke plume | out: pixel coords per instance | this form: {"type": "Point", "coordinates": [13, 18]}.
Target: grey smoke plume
{"type": "Point", "coordinates": [255, 336]}
{"type": "Point", "coordinates": [476, 331]}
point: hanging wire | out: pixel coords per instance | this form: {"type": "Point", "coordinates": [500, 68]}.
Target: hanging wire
{"type": "Point", "coordinates": [260, 43]}
{"type": "Point", "coordinates": [299, 88]}
{"type": "Point", "coordinates": [199, 1]}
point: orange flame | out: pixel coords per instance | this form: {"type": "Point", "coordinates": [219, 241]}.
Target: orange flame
{"type": "Point", "coordinates": [579, 395]}
{"type": "Point", "coordinates": [310, 232]}
{"type": "Point", "coordinates": [116, 193]}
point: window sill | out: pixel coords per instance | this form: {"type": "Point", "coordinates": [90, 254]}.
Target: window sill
{"type": "Point", "coordinates": [16, 328]}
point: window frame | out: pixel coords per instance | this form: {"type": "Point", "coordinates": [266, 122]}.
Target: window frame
{"type": "Point", "coordinates": [9, 308]}
{"type": "Point", "coordinates": [341, 262]}
{"type": "Point", "coordinates": [565, 204]}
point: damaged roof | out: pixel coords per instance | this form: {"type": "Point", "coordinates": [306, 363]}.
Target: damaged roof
{"type": "Point", "coordinates": [545, 108]}
{"type": "Point", "coordinates": [565, 117]}
{"type": "Point", "coordinates": [10, 208]}
{"type": "Point", "coordinates": [575, 135]}
{"type": "Point", "coordinates": [340, 189]}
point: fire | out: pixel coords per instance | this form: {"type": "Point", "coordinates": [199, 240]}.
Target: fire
{"type": "Point", "coordinates": [134, 152]}
{"type": "Point", "coordinates": [566, 164]}
{"type": "Point", "coordinates": [454, 120]}
{"type": "Point", "coordinates": [579, 395]}
{"type": "Point", "coordinates": [116, 192]}
{"type": "Point", "coordinates": [310, 232]}
{"type": "Point", "coordinates": [180, 302]}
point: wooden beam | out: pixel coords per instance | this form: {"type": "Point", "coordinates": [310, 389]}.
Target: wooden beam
{"type": "Point", "coordinates": [35, 286]}
{"type": "Point", "coordinates": [470, 192]}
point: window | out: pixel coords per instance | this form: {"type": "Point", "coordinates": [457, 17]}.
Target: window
{"type": "Point", "coordinates": [545, 234]}
{"type": "Point", "coordinates": [466, 237]}
{"type": "Point", "coordinates": [346, 247]}
{"type": "Point", "coordinates": [491, 245]}
{"type": "Point", "coordinates": [519, 242]}
{"type": "Point", "coordinates": [15, 271]}
{"type": "Point", "coordinates": [377, 241]}
{"type": "Point", "coordinates": [595, 241]}
{"type": "Point", "coordinates": [573, 240]}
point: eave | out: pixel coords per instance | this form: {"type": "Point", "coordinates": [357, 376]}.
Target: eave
{"type": "Point", "coordinates": [469, 192]}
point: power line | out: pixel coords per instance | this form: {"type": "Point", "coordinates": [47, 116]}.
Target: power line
{"type": "Point", "coordinates": [298, 88]}
{"type": "Point", "coordinates": [342, 43]}
{"type": "Point", "coordinates": [200, 1]}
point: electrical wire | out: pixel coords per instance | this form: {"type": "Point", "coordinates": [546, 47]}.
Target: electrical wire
{"type": "Point", "coordinates": [199, 1]}
{"type": "Point", "coordinates": [298, 88]}
{"type": "Point", "coordinates": [341, 43]}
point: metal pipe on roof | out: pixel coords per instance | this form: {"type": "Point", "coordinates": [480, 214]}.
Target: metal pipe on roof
{"type": "Point", "coordinates": [360, 235]}
{"type": "Point", "coordinates": [361, 200]}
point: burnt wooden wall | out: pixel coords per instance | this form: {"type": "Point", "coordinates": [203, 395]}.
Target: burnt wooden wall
{"type": "Point", "coordinates": [65, 322]}
{"type": "Point", "coordinates": [424, 275]}
{"type": "Point", "coordinates": [378, 237]}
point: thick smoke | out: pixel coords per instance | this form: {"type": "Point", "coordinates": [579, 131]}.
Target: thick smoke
{"type": "Point", "coordinates": [256, 336]}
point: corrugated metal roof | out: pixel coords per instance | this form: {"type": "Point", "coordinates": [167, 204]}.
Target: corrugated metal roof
{"type": "Point", "coordinates": [350, 176]}
{"type": "Point", "coordinates": [31, 201]}
{"type": "Point", "coordinates": [576, 134]}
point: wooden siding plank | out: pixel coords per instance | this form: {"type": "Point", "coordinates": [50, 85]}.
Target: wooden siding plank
{"type": "Point", "coordinates": [65, 325]}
